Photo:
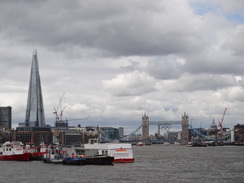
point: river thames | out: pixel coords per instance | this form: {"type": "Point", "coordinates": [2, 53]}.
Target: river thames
{"type": "Point", "coordinates": [155, 163]}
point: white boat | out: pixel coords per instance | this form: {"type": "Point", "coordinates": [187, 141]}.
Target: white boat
{"type": "Point", "coordinates": [166, 143]}
{"type": "Point", "coordinates": [176, 143]}
{"type": "Point", "coordinates": [121, 152]}
{"type": "Point", "coordinates": [140, 144]}
{"type": "Point", "coordinates": [14, 151]}
{"type": "Point", "coordinates": [189, 144]}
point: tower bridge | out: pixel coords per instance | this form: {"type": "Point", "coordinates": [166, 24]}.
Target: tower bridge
{"type": "Point", "coordinates": [186, 127]}
{"type": "Point", "coordinates": [165, 125]}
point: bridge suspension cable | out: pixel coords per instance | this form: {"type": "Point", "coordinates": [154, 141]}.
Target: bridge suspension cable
{"type": "Point", "coordinates": [131, 134]}
{"type": "Point", "coordinates": [205, 136]}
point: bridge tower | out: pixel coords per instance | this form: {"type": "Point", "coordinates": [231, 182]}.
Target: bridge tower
{"type": "Point", "coordinates": [145, 130]}
{"type": "Point", "coordinates": [185, 129]}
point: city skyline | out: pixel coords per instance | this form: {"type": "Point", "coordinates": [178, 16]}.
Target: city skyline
{"type": "Point", "coordinates": [114, 63]}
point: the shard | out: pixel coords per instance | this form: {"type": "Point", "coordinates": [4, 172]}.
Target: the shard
{"type": "Point", "coordinates": [35, 110]}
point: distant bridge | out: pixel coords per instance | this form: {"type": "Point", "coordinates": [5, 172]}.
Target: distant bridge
{"type": "Point", "coordinates": [163, 125]}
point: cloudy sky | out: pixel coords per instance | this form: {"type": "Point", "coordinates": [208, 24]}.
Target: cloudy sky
{"type": "Point", "coordinates": [116, 60]}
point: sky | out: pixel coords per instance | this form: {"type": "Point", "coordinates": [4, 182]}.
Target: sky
{"type": "Point", "coordinates": [114, 61]}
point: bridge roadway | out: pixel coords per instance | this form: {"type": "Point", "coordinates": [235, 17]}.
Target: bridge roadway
{"type": "Point", "coordinates": [164, 124]}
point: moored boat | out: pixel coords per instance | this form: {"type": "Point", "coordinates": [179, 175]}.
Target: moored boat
{"type": "Point", "coordinates": [166, 144]}
{"type": "Point", "coordinates": [197, 144]}
{"type": "Point", "coordinates": [140, 144]}
{"type": "Point", "coordinates": [100, 160]}
{"type": "Point", "coordinates": [14, 151]}
{"type": "Point", "coordinates": [54, 155]}
{"type": "Point", "coordinates": [189, 144]}
{"type": "Point", "coordinates": [74, 161]}
{"type": "Point", "coordinates": [37, 152]}
{"type": "Point", "coordinates": [121, 152]}
{"type": "Point", "coordinates": [58, 156]}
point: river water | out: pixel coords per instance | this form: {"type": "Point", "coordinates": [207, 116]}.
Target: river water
{"type": "Point", "coordinates": [155, 163]}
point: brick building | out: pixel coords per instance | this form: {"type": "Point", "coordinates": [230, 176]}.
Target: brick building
{"type": "Point", "coordinates": [33, 135]}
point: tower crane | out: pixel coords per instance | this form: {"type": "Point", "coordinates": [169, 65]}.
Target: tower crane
{"type": "Point", "coordinates": [77, 119]}
{"type": "Point", "coordinates": [220, 124]}
{"type": "Point", "coordinates": [59, 107]}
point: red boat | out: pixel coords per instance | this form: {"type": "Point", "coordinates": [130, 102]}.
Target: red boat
{"type": "Point", "coordinates": [37, 152]}
{"type": "Point", "coordinates": [140, 144]}
{"type": "Point", "coordinates": [14, 151]}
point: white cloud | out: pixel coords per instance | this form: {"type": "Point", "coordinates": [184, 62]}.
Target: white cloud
{"type": "Point", "coordinates": [130, 84]}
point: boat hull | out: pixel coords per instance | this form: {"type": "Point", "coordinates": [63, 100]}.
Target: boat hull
{"type": "Point", "coordinates": [55, 161]}
{"type": "Point", "coordinates": [100, 160]}
{"type": "Point", "coordinates": [74, 161]}
{"type": "Point", "coordinates": [16, 157]}
{"type": "Point", "coordinates": [37, 156]}
{"type": "Point", "coordinates": [124, 160]}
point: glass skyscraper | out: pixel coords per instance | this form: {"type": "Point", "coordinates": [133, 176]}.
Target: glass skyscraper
{"type": "Point", "coordinates": [35, 110]}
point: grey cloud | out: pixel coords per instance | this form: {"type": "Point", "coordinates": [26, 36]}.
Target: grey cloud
{"type": "Point", "coordinates": [203, 82]}
{"type": "Point", "coordinates": [235, 42]}
{"type": "Point", "coordinates": [134, 65]}
{"type": "Point", "coordinates": [214, 61]}
{"type": "Point", "coordinates": [124, 28]}
{"type": "Point", "coordinates": [165, 68]}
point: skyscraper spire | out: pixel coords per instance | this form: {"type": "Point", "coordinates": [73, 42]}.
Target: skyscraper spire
{"type": "Point", "coordinates": [35, 110]}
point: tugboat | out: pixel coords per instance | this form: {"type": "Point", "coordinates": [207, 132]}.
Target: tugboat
{"type": "Point", "coordinates": [59, 156]}
{"type": "Point", "coordinates": [74, 161]}
{"type": "Point", "coordinates": [54, 155]}
{"type": "Point", "coordinates": [14, 151]}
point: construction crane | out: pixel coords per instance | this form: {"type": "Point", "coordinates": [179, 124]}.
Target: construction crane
{"type": "Point", "coordinates": [59, 107]}
{"type": "Point", "coordinates": [75, 119]}
{"type": "Point", "coordinates": [58, 111]}
{"type": "Point", "coordinates": [220, 124]}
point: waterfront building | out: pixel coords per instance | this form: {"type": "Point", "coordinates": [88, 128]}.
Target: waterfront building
{"type": "Point", "coordinates": [110, 132]}
{"type": "Point", "coordinates": [239, 134]}
{"type": "Point", "coordinates": [4, 135]}
{"type": "Point", "coordinates": [70, 137]}
{"type": "Point", "coordinates": [135, 137]}
{"type": "Point", "coordinates": [6, 117]}
{"type": "Point", "coordinates": [75, 135]}
{"type": "Point", "coordinates": [121, 132]}
{"type": "Point", "coordinates": [33, 135]}
{"type": "Point", "coordinates": [35, 109]}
